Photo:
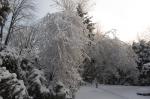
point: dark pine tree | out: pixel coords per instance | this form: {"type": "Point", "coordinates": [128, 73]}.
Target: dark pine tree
{"type": "Point", "coordinates": [142, 49]}
{"type": "Point", "coordinates": [86, 20]}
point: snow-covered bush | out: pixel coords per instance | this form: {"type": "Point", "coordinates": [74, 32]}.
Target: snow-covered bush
{"type": "Point", "coordinates": [33, 79]}
{"type": "Point", "coordinates": [11, 87]}
{"type": "Point", "coordinates": [61, 92]}
{"type": "Point", "coordinates": [37, 85]}
{"type": "Point", "coordinates": [10, 59]}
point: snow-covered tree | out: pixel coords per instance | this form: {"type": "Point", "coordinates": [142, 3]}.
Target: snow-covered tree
{"type": "Point", "coordinates": [25, 40]}
{"type": "Point", "coordinates": [21, 11]}
{"type": "Point", "coordinates": [86, 20]}
{"type": "Point", "coordinates": [65, 5]}
{"type": "Point", "coordinates": [113, 62]}
{"type": "Point", "coordinates": [62, 47]}
{"type": "Point", "coordinates": [142, 49]}
{"type": "Point", "coordinates": [4, 12]}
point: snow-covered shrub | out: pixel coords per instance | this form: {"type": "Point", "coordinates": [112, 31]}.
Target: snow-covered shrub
{"type": "Point", "coordinates": [11, 87]}
{"type": "Point", "coordinates": [10, 59]}
{"type": "Point", "coordinates": [37, 85]}
{"type": "Point", "coordinates": [25, 69]}
{"type": "Point", "coordinates": [61, 92]}
{"type": "Point", "coordinates": [35, 80]}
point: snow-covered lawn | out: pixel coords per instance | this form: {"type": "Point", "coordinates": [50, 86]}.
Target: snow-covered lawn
{"type": "Point", "coordinates": [111, 92]}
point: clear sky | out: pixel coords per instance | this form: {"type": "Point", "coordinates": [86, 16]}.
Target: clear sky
{"type": "Point", "coordinates": [129, 17]}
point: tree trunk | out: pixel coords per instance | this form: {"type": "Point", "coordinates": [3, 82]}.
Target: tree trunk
{"type": "Point", "coordinates": [9, 32]}
{"type": "Point", "coordinates": [7, 38]}
{"type": "Point", "coordinates": [1, 34]}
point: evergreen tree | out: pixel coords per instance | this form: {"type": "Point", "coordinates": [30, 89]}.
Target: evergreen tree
{"type": "Point", "coordinates": [88, 67]}
{"type": "Point", "coordinates": [86, 20]}
{"type": "Point", "coordinates": [4, 11]}
{"type": "Point", "coordinates": [142, 49]}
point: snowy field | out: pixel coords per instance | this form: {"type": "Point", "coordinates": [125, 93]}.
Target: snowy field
{"type": "Point", "coordinates": [111, 92]}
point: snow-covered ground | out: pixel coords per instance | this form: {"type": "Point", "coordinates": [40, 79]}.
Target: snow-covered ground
{"type": "Point", "coordinates": [111, 92]}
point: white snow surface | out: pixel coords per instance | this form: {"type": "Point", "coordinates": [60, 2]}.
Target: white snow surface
{"type": "Point", "coordinates": [111, 92]}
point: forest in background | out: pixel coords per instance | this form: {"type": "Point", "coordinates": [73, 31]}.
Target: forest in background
{"type": "Point", "coordinates": [52, 57]}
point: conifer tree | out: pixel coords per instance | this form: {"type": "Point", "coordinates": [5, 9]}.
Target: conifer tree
{"type": "Point", "coordinates": [4, 12]}
{"type": "Point", "coordinates": [142, 49]}
{"type": "Point", "coordinates": [86, 20]}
